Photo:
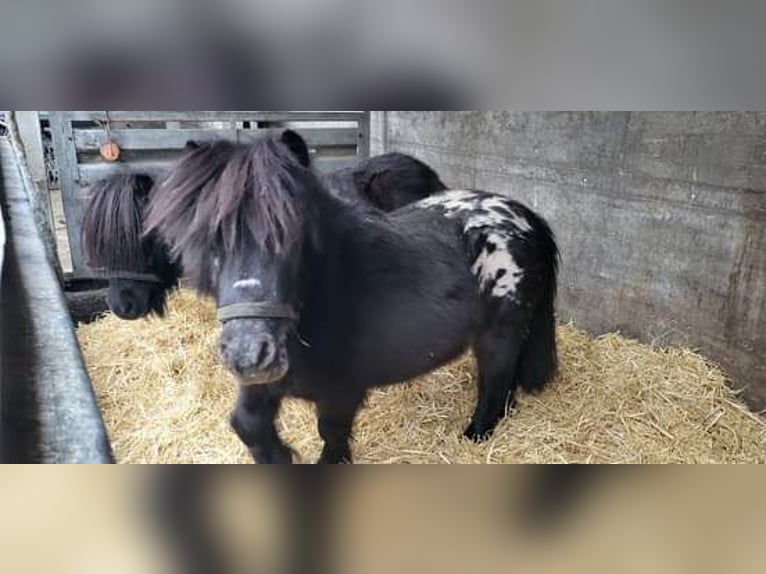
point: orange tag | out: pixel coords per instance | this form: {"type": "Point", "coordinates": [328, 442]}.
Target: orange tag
{"type": "Point", "coordinates": [110, 151]}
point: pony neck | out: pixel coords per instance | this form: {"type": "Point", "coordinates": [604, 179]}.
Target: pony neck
{"type": "Point", "coordinates": [333, 217]}
{"type": "Point", "coordinates": [331, 222]}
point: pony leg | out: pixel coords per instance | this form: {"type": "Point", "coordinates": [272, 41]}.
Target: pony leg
{"type": "Point", "coordinates": [253, 421]}
{"type": "Point", "coordinates": [336, 421]}
{"type": "Point", "coordinates": [178, 497]}
{"type": "Point", "coordinates": [554, 492]}
{"type": "Point", "coordinates": [310, 501]}
{"type": "Point", "coordinates": [497, 356]}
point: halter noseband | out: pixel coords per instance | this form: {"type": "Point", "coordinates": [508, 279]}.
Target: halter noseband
{"type": "Point", "coordinates": [129, 275]}
{"type": "Point", "coordinates": [256, 311]}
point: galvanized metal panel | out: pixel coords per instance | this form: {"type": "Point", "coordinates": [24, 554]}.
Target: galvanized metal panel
{"type": "Point", "coordinates": [69, 180]}
{"type": "Point", "coordinates": [152, 142]}
{"type": "Point", "coordinates": [28, 124]}
{"type": "Point", "coordinates": [172, 139]}
{"type": "Point", "coordinates": [364, 137]}
{"type": "Point", "coordinates": [25, 138]}
{"type": "Point", "coordinates": [93, 172]}
{"type": "Point", "coordinates": [213, 116]}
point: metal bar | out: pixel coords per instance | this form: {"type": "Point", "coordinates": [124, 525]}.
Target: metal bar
{"type": "Point", "coordinates": [93, 172]}
{"type": "Point", "coordinates": [378, 132]}
{"type": "Point", "coordinates": [212, 116]}
{"type": "Point", "coordinates": [90, 173]}
{"type": "Point", "coordinates": [152, 149]}
{"type": "Point", "coordinates": [69, 179]}
{"type": "Point", "coordinates": [26, 138]}
{"type": "Point", "coordinates": [363, 149]}
{"type": "Point", "coordinates": [165, 139]}
{"type": "Point", "coordinates": [147, 139]}
{"type": "Point", "coordinates": [49, 411]}
{"type": "Point", "coordinates": [30, 134]}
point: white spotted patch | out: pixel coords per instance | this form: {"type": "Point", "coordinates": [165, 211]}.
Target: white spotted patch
{"type": "Point", "coordinates": [505, 213]}
{"type": "Point", "coordinates": [451, 200]}
{"type": "Point", "coordinates": [250, 283]}
{"type": "Point", "coordinates": [498, 221]}
{"type": "Point", "coordinates": [478, 210]}
{"type": "Point", "coordinates": [496, 266]}
{"type": "Point", "coordinates": [485, 219]}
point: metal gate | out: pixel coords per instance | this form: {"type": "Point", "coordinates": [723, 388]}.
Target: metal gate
{"type": "Point", "coordinates": [152, 140]}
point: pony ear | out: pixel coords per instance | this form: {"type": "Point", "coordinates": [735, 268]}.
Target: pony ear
{"type": "Point", "coordinates": [298, 146]}
{"type": "Point", "coordinates": [143, 184]}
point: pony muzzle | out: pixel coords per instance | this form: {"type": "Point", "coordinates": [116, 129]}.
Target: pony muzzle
{"type": "Point", "coordinates": [254, 351]}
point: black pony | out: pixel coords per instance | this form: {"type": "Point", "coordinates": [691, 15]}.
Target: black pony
{"type": "Point", "coordinates": [388, 181]}
{"type": "Point", "coordinates": [140, 271]}
{"type": "Point", "coordinates": [138, 267]}
{"type": "Point", "coordinates": [323, 299]}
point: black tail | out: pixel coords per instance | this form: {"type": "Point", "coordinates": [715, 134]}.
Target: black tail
{"type": "Point", "coordinates": [538, 362]}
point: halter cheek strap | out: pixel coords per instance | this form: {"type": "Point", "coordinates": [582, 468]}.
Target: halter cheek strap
{"type": "Point", "coordinates": [256, 311]}
{"type": "Point", "coordinates": [129, 275]}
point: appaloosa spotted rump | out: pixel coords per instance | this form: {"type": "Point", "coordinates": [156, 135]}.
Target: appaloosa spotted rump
{"type": "Point", "coordinates": [499, 226]}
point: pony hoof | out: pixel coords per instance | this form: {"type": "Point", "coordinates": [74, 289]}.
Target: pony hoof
{"type": "Point", "coordinates": [331, 458]}
{"type": "Point", "coordinates": [534, 390]}
{"type": "Point", "coordinates": [477, 433]}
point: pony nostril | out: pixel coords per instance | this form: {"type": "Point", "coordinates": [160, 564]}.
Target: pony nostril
{"type": "Point", "coordinates": [247, 356]}
{"type": "Point", "coordinates": [266, 354]}
{"type": "Point", "coordinates": [128, 305]}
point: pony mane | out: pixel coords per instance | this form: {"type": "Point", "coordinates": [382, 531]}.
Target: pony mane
{"type": "Point", "coordinates": [112, 224]}
{"type": "Point", "coordinates": [226, 196]}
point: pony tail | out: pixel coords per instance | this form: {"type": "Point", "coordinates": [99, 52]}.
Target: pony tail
{"type": "Point", "coordinates": [538, 362]}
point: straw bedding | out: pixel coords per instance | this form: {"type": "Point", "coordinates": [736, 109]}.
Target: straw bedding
{"type": "Point", "coordinates": [166, 399]}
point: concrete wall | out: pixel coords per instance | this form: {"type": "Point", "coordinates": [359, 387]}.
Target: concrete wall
{"type": "Point", "coordinates": [661, 217]}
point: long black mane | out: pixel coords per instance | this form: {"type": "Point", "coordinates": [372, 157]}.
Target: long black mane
{"type": "Point", "coordinates": [223, 196]}
{"type": "Point", "coordinates": [112, 224]}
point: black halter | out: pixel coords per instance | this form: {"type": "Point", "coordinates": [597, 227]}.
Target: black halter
{"type": "Point", "coordinates": [131, 276]}
{"type": "Point", "coordinates": [257, 311]}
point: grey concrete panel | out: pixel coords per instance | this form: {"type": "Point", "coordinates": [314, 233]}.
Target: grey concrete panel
{"type": "Point", "coordinates": [661, 217]}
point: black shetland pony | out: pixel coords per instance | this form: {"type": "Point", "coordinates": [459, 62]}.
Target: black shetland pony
{"type": "Point", "coordinates": [140, 270]}
{"type": "Point", "coordinates": [323, 299]}
{"type": "Point", "coordinates": [388, 181]}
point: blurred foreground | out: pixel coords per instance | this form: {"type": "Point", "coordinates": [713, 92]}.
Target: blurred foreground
{"type": "Point", "coordinates": [392, 55]}
{"type": "Point", "coordinates": [129, 520]}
